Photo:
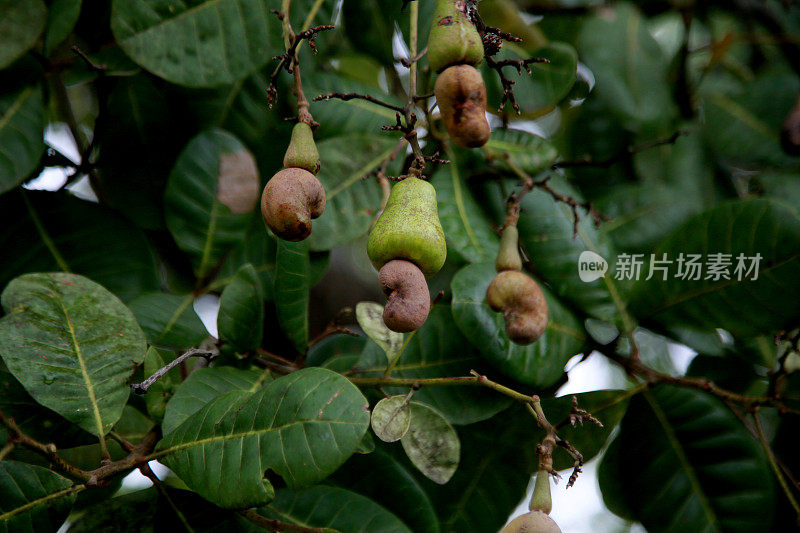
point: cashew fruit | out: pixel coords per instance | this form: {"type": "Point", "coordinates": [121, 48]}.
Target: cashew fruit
{"type": "Point", "coordinates": [291, 198]}
{"type": "Point", "coordinates": [532, 522]}
{"type": "Point", "coordinates": [408, 299]}
{"type": "Point", "coordinates": [302, 151]}
{"type": "Point", "coordinates": [522, 303]}
{"type": "Point", "coordinates": [461, 95]}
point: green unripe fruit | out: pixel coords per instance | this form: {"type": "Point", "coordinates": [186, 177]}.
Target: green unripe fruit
{"type": "Point", "coordinates": [541, 499]}
{"type": "Point", "coordinates": [453, 40]}
{"type": "Point", "coordinates": [508, 257]}
{"type": "Point", "coordinates": [302, 151]}
{"type": "Point", "coordinates": [533, 522]}
{"type": "Point", "coordinates": [409, 228]}
{"type": "Point", "coordinates": [522, 303]}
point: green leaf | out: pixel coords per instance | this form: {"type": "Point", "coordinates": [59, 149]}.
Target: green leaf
{"type": "Point", "coordinates": [744, 129]}
{"type": "Point", "coordinates": [61, 19]}
{"type": "Point", "coordinates": [160, 392]}
{"type": "Point", "coordinates": [629, 66]}
{"type": "Point", "coordinates": [369, 25]}
{"type": "Point", "coordinates": [200, 43]}
{"type": "Point", "coordinates": [45, 231]}
{"type": "Point", "coordinates": [303, 426]}
{"type": "Point", "coordinates": [21, 129]}
{"type": "Point", "coordinates": [335, 347]}
{"type": "Point", "coordinates": [526, 151]}
{"type": "Point", "coordinates": [21, 25]}
{"type": "Point", "coordinates": [332, 507]}
{"type": "Point", "coordinates": [135, 511]}
{"type": "Point", "coordinates": [751, 307]}
{"type": "Point", "coordinates": [383, 478]}
{"type": "Point", "coordinates": [611, 485]}
{"type": "Point", "coordinates": [169, 320]}
{"type": "Point", "coordinates": [438, 349]}
{"type": "Point", "coordinates": [144, 122]}
{"type": "Point", "coordinates": [540, 91]}
{"type": "Point", "coordinates": [211, 192]}
{"type": "Point", "coordinates": [696, 466]}
{"type": "Point", "coordinates": [431, 443]}
{"type": "Point", "coordinates": [241, 311]}
{"type": "Point", "coordinates": [391, 418]}
{"type": "Point", "coordinates": [259, 249]}
{"type": "Point", "coordinates": [33, 499]}
{"type": "Point", "coordinates": [546, 230]}
{"type": "Point", "coordinates": [541, 363]}
{"type": "Point", "coordinates": [467, 229]}
{"type": "Point", "coordinates": [352, 202]}
{"type": "Point", "coordinates": [204, 385]}
{"type": "Point", "coordinates": [291, 291]}
{"type": "Point", "coordinates": [72, 344]}
{"type": "Point", "coordinates": [370, 317]}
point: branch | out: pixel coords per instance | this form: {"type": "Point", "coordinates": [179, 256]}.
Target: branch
{"type": "Point", "coordinates": [141, 388]}
{"type": "Point", "coordinates": [352, 96]}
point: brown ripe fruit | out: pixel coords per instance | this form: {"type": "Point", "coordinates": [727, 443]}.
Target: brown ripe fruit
{"type": "Point", "coordinates": [290, 200]}
{"type": "Point", "coordinates": [408, 300]}
{"type": "Point", "coordinates": [522, 303]}
{"type": "Point", "coordinates": [461, 95]}
{"type": "Point", "coordinates": [533, 522]}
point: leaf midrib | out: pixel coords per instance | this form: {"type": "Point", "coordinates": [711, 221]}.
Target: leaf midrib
{"type": "Point", "coordinates": [680, 453]}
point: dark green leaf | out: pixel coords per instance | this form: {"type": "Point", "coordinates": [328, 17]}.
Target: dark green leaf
{"type": "Point", "coordinates": [636, 88]}
{"type": "Point", "coordinates": [438, 349]}
{"type": "Point", "coordinates": [61, 18]}
{"type": "Point", "coordinates": [751, 307]}
{"type": "Point", "coordinates": [526, 151]}
{"type": "Point", "coordinates": [203, 386]}
{"type": "Point", "coordinates": [541, 363]}
{"type": "Point", "coordinates": [72, 344]}
{"type": "Point", "coordinates": [303, 426]}
{"type": "Point", "coordinates": [383, 478]}
{"type": "Point", "coordinates": [129, 512]}
{"type": "Point", "coordinates": [48, 231]}
{"type": "Point", "coordinates": [689, 464]}
{"type": "Point", "coordinates": [358, 15]}
{"type": "Point", "coordinates": [352, 202]}
{"type": "Point", "coordinates": [169, 320]}
{"type": "Point", "coordinates": [292, 284]}
{"type": "Point", "coordinates": [259, 249]}
{"type": "Point", "coordinates": [33, 499]}
{"type": "Point", "coordinates": [335, 508]}
{"type": "Point", "coordinates": [21, 130]}
{"type": "Point", "coordinates": [241, 311]}
{"type": "Point", "coordinates": [21, 25]}
{"type": "Point", "coordinates": [201, 43]}
{"type": "Point", "coordinates": [210, 194]}
{"type": "Point", "coordinates": [467, 229]}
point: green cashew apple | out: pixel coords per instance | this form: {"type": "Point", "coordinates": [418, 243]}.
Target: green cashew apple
{"type": "Point", "coordinates": [508, 257]}
{"type": "Point", "coordinates": [453, 39]}
{"type": "Point", "coordinates": [461, 95]}
{"type": "Point", "coordinates": [290, 200]}
{"type": "Point", "coordinates": [302, 151]}
{"type": "Point", "coordinates": [409, 228]}
{"type": "Point", "coordinates": [532, 522]}
{"type": "Point", "coordinates": [522, 303]}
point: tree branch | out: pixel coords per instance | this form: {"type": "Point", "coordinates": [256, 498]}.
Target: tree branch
{"type": "Point", "coordinates": [141, 388]}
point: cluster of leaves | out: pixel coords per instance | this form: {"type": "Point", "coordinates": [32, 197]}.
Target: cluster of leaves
{"type": "Point", "coordinates": [169, 112]}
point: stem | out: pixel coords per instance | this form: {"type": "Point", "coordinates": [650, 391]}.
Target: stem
{"type": "Point", "coordinates": [394, 361]}
{"type": "Point", "coordinates": [276, 525]}
{"type": "Point", "coordinates": [474, 380]}
{"type": "Point", "coordinates": [774, 465]}
{"type": "Point", "coordinates": [7, 449]}
{"type": "Point", "coordinates": [310, 17]}
{"type": "Point", "coordinates": [141, 388]}
{"type": "Point", "coordinates": [412, 52]}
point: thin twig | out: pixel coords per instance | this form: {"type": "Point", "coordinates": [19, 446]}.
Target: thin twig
{"type": "Point", "coordinates": [276, 525]}
{"type": "Point", "coordinates": [352, 96]}
{"type": "Point", "coordinates": [588, 161]}
{"type": "Point", "coordinates": [141, 388]}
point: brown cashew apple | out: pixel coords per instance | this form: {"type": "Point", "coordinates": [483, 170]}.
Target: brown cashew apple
{"type": "Point", "coordinates": [408, 300]}
{"type": "Point", "coordinates": [461, 95]}
{"type": "Point", "coordinates": [522, 303]}
{"type": "Point", "coordinates": [532, 522]}
{"type": "Point", "coordinates": [291, 199]}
